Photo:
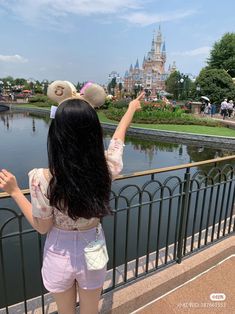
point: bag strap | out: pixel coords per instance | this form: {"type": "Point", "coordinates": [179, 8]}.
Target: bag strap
{"type": "Point", "coordinates": [98, 229]}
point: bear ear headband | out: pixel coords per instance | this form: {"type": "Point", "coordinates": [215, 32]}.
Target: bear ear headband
{"type": "Point", "coordinates": [60, 91]}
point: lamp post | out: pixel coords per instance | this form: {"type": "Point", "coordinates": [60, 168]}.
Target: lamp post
{"type": "Point", "coordinates": [181, 81]}
{"type": "Point", "coordinates": [198, 88]}
{"type": "Point", "coordinates": [44, 86]}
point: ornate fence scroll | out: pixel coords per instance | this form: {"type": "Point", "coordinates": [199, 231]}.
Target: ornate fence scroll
{"type": "Point", "coordinates": [159, 217]}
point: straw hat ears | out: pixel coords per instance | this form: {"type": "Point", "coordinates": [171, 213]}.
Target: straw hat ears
{"type": "Point", "coordinates": [94, 94]}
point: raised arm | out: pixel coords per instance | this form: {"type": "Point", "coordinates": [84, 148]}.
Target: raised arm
{"type": "Point", "coordinates": [123, 125]}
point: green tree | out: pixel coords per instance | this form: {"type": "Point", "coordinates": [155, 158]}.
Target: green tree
{"type": "Point", "coordinates": [8, 79]}
{"type": "Point", "coordinates": [112, 85]}
{"type": "Point", "coordinates": [222, 55]}
{"type": "Point", "coordinates": [215, 84]}
{"type": "Point", "coordinates": [20, 81]}
{"type": "Point", "coordinates": [80, 85]}
{"type": "Point", "coordinates": [172, 84]}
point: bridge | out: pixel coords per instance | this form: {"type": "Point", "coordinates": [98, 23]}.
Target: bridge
{"type": "Point", "coordinates": [165, 231]}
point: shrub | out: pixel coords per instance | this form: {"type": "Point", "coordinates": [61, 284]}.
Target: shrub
{"type": "Point", "coordinates": [162, 117]}
{"type": "Point", "coordinates": [38, 98]}
{"type": "Point", "coordinates": [108, 103]}
{"type": "Point", "coordinates": [122, 103]}
{"type": "Point", "coordinates": [42, 101]}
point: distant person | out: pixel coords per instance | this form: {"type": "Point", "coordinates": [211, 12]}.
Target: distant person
{"type": "Point", "coordinates": [213, 109]}
{"type": "Point", "coordinates": [224, 108]}
{"type": "Point", "coordinates": [207, 109]}
{"type": "Point", "coordinates": [230, 108]}
{"type": "Point", "coordinates": [202, 109]}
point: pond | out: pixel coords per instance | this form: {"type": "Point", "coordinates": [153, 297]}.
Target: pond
{"type": "Point", "coordinates": [23, 147]}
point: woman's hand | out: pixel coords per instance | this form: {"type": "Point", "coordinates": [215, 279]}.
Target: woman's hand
{"type": "Point", "coordinates": [135, 104]}
{"type": "Point", "coordinates": [8, 182]}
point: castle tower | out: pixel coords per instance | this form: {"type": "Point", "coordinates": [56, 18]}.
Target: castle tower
{"type": "Point", "coordinates": [143, 62]}
{"type": "Point", "coordinates": [137, 64]}
{"type": "Point", "coordinates": [158, 41]}
{"type": "Point", "coordinates": [153, 45]}
{"type": "Point", "coordinates": [151, 74]}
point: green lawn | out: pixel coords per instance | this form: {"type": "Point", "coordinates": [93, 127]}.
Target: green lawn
{"type": "Point", "coordinates": [197, 129]}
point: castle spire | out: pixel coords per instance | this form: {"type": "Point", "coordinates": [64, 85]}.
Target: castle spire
{"type": "Point", "coordinates": [164, 47]}
{"type": "Point", "coordinates": [153, 45]}
{"type": "Point", "coordinates": [159, 35]}
{"type": "Point", "coordinates": [143, 61]}
{"type": "Point", "coordinates": [137, 64]}
{"type": "Point", "coordinates": [131, 68]}
{"type": "Point", "coordinates": [159, 40]}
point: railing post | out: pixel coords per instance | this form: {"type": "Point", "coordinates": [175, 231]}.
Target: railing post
{"type": "Point", "coordinates": [183, 214]}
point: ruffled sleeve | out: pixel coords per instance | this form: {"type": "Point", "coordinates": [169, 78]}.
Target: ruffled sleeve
{"type": "Point", "coordinates": [40, 204]}
{"type": "Point", "coordinates": [114, 157]}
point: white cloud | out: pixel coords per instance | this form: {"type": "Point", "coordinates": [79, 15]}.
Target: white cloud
{"type": "Point", "coordinates": [14, 58]}
{"type": "Point", "coordinates": [30, 11]}
{"type": "Point", "coordinates": [37, 12]}
{"type": "Point", "coordinates": [145, 19]}
{"type": "Point", "coordinates": [192, 53]}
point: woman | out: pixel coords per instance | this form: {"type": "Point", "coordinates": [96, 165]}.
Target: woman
{"type": "Point", "coordinates": [69, 198]}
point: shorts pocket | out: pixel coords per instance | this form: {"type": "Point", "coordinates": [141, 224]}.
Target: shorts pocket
{"type": "Point", "coordinates": [54, 266]}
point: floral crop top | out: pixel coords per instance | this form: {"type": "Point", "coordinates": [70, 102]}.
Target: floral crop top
{"type": "Point", "coordinates": [38, 185]}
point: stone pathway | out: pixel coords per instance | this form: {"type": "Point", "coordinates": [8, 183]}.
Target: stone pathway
{"type": "Point", "coordinates": [213, 291]}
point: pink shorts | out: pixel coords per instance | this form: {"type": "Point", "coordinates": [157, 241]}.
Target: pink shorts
{"type": "Point", "coordinates": [64, 262]}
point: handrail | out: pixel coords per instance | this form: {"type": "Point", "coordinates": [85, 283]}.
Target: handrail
{"type": "Point", "coordinates": [149, 172]}
{"type": "Point", "coordinates": [172, 168]}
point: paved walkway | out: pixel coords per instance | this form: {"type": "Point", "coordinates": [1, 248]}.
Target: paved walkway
{"type": "Point", "coordinates": [194, 296]}
{"type": "Point", "coordinates": [227, 121]}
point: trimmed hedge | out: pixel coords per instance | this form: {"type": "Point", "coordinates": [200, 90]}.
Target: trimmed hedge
{"type": "Point", "coordinates": [162, 117]}
{"type": "Point", "coordinates": [42, 101]}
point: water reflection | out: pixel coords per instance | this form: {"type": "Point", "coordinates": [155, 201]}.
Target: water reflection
{"type": "Point", "coordinates": [24, 134]}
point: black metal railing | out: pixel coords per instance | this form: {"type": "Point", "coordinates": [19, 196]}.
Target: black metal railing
{"type": "Point", "coordinates": [159, 217]}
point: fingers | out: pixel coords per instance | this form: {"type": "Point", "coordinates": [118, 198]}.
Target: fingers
{"type": "Point", "coordinates": [4, 174]}
{"type": "Point", "coordinates": [8, 181]}
{"type": "Point", "coordinates": [2, 180]}
{"type": "Point", "coordinates": [141, 95]}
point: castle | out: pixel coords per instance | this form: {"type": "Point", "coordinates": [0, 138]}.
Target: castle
{"type": "Point", "coordinates": [152, 74]}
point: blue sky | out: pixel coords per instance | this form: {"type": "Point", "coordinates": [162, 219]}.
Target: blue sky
{"type": "Point", "coordinates": [80, 40]}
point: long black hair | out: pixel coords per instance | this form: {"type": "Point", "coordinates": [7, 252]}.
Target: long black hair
{"type": "Point", "coordinates": [81, 181]}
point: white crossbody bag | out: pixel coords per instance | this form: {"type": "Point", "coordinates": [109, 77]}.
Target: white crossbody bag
{"type": "Point", "coordinates": [96, 255]}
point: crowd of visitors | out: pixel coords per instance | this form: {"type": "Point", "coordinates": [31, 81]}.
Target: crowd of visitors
{"type": "Point", "coordinates": [227, 108]}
